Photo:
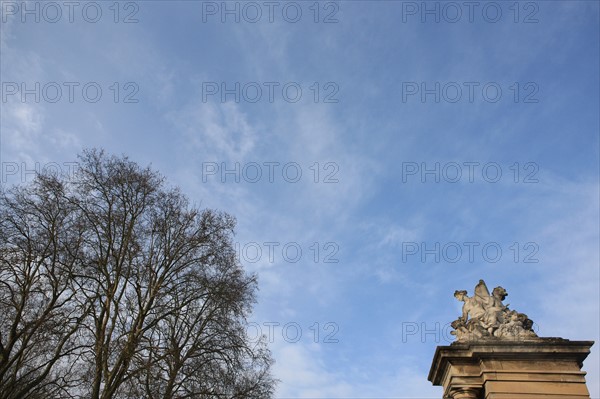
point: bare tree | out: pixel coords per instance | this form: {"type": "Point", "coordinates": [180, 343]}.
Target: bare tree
{"type": "Point", "coordinates": [39, 317]}
{"type": "Point", "coordinates": [137, 293]}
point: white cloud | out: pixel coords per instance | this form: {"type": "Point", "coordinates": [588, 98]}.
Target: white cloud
{"type": "Point", "coordinates": [216, 131]}
{"type": "Point", "coordinates": [305, 374]}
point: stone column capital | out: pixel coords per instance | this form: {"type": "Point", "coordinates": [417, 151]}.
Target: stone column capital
{"type": "Point", "coordinates": [464, 393]}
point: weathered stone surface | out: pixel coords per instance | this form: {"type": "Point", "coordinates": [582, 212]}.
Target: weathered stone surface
{"type": "Point", "coordinates": [497, 355]}
{"type": "Point", "coordinates": [484, 316]}
{"type": "Point", "coordinates": [544, 368]}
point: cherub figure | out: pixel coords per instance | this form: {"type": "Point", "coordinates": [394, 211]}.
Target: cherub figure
{"type": "Point", "coordinates": [514, 327]}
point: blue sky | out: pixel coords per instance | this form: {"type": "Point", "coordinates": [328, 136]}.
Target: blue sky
{"type": "Point", "coordinates": [422, 130]}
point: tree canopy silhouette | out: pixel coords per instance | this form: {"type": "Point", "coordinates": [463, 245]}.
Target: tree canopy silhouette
{"type": "Point", "coordinates": [113, 286]}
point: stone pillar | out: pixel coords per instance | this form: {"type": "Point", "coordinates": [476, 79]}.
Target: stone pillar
{"type": "Point", "coordinates": [540, 368]}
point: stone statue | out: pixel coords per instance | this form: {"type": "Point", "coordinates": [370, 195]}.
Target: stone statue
{"type": "Point", "coordinates": [484, 316]}
{"type": "Point", "coordinates": [472, 307]}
